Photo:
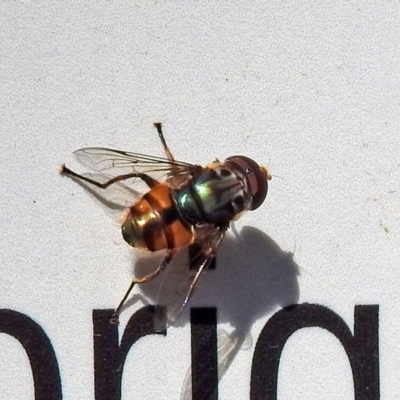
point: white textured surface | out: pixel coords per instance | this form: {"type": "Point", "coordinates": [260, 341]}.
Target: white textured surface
{"type": "Point", "coordinates": [311, 89]}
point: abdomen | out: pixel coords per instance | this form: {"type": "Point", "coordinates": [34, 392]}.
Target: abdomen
{"type": "Point", "coordinates": [154, 223]}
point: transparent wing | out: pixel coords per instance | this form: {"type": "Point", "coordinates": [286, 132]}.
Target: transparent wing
{"type": "Point", "coordinates": [228, 346]}
{"type": "Point", "coordinates": [177, 287]}
{"type": "Point", "coordinates": [117, 162]}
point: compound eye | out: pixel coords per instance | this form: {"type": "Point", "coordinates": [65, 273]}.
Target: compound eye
{"type": "Point", "coordinates": [256, 178]}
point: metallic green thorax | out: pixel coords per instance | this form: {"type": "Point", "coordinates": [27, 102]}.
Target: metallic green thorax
{"type": "Point", "coordinates": [213, 196]}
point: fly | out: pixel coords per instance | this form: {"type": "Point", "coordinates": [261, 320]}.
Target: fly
{"type": "Point", "coordinates": [183, 204]}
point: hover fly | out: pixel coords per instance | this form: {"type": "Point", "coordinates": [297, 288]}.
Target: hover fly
{"type": "Point", "coordinates": [184, 204]}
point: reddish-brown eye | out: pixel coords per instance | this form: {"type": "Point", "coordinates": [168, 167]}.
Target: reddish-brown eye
{"type": "Point", "coordinates": [256, 178]}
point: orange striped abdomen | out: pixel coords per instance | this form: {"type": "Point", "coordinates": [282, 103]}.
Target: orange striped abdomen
{"type": "Point", "coordinates": [154, 223]}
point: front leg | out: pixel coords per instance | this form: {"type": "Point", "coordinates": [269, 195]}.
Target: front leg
{"type": "Point", "coordinates": [158, 126]}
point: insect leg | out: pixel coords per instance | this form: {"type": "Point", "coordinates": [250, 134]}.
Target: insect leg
{"type": "Point", "coordinates": [146, 178]}
{"type": "Point", "coordinates": [158, 126]}
{"type": "Point", "coordinates": [203, 266]}
{"type": "Point", "coordinates": [166, 260]}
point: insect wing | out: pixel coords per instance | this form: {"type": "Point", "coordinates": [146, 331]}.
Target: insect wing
{"type": "Point", "coordinates": [228, 346]}
{"type": "Point", "coordinates": [117, 162]}
{"type": "Point", "coordinates": [176, 296]}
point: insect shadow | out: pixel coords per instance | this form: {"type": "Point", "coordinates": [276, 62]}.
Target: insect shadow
{"type": "Point", "coordinates": [253, 277]}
